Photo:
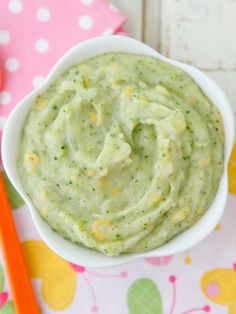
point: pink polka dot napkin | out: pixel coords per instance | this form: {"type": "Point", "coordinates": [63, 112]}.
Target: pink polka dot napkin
{"type": "Point", "coordinates": [34, 34]}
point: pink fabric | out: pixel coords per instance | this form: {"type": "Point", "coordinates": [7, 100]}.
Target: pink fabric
{"type": "Point", "coordinates": [40, 32]}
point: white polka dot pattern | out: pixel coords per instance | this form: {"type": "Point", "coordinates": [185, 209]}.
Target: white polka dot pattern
{"type": "Point", "coordinates": [37, 81]}
{"type": "Point", "coordinates": [86, 1]}
{"type": "Point", "coordinates": [11, 64]}
{"type": "Point", "coordinates": [5, 98]}
{"type": "Point", "coordinates": [15, 6]}
{"type": "Point", "coordinates": [4, 37]}
{"type": "Point", "coordinates": [41, 45]}
{"type": "Point", "coordinates": [85, 22]}
{"type": "Point", "coordinates": [34, 34]}
{"type": "Point", "coordinates": [43, 15]}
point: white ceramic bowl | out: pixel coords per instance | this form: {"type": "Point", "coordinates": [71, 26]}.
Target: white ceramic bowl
{"type": "Point", "coordinates": [15, 122]}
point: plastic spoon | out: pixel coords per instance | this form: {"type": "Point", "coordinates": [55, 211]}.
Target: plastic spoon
{"type": "Point", "coordinates": [21, 287]}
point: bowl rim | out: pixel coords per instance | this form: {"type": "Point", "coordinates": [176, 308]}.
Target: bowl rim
{"type": "Point", "coordinates": [64, 248]}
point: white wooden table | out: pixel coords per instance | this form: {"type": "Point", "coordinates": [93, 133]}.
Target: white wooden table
{"type": "Point", "coordinates": [199, 32]}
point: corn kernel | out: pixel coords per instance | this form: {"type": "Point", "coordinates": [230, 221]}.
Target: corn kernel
{"type": "Point", "coordinates": [96, 226]}
{"type": "Point", "coordinates": [72, 177]}
{"type": "Point", "coordinates": [204, 161]}
{"type": "Point", "coordinates": [93, 117]}
{"type": "Point", "coordinates": [115, 191]}
{"type": "Point", "coordinates": [31, 160]}
{"type": "Point", "coordinates": [91, 173]}
{"type": "Point", "coordinates": [180, 215]}
{"type": "Point", "coordinates": [41, 104]}
{"type": "Point", "coordinates": [43, 196]}
{"type": "Point", "coordinates": [128, 90]}
{"type": "Point", "coordinates": [156, 199]}
{"type": "Point", "coordinates": [162, 90]}
{"type": "Point", "coordinates": [104, 172]}
{"type": "Point", "coordinates": [32, 157]}
{"type": "Point", "coordinates": [86, 84]}
{"type": "Point", "coordinates": [180, 125]}
{"type": "Point", "coordinates": [117, 84]}
{"type": "Point", "coordinates": [104, 181]}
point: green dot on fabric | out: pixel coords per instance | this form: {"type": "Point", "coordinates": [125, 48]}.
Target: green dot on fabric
{"type": "Point", "coordinates": [8, 308]}
{"type": "Point", "coordinates": [144, 297]}
{"type": "Point", "coordinates": [15, 200]}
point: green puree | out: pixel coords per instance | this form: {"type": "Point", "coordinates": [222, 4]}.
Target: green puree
{"type": "Point", "coordinates": [122, 153]}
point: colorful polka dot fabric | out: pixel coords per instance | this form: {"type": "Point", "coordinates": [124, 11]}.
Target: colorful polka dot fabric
{"type": "Point", "coordinates": [33, 35]}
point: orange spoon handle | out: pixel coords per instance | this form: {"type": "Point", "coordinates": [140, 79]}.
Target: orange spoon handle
{"type": "Point", "coordinates": [22, 290]}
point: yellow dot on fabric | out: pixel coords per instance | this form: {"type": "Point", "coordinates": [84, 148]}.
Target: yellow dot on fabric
{"type": "Point", "coordinates": [232, 171]}
{"type": "Point", "coordinates": [217, 227]}
{"type": "Point", "coordinates": [219, 286]}
{"type": "Point", "coordinates": [188, 260]}
{"type": "Point", "coordinates": [58, 279]}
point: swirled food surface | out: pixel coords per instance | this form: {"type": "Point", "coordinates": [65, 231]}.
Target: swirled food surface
{"type": "Point", "coordinates": [121, 153]}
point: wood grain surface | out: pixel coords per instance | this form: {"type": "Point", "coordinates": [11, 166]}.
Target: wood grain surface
{"type": "Point", "coordinates": [199, 32]}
